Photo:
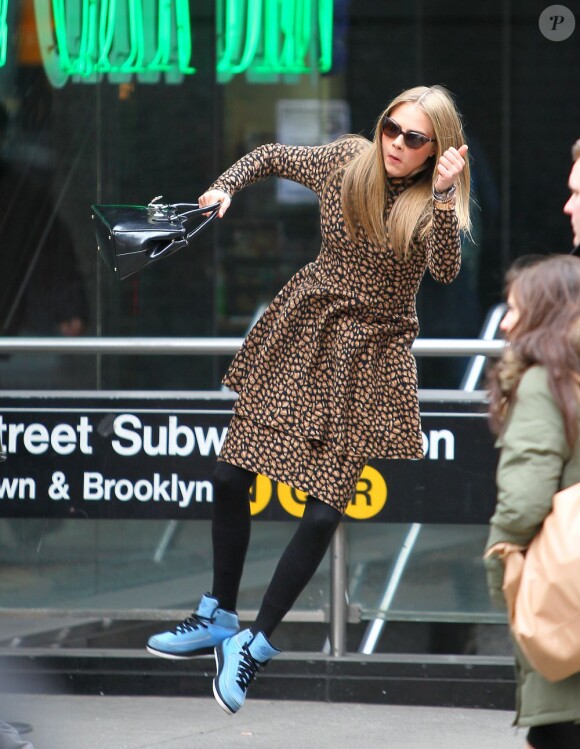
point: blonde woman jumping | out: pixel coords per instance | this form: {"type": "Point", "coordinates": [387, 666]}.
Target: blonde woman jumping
{"type": "Point", "coordinates": [326, 379]}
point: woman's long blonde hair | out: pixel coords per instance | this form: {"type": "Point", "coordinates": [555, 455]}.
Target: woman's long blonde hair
{"type": "Point", "coordinates": [364, 187]}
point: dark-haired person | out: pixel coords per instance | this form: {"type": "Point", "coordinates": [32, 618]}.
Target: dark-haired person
{"type": "Point", "coordinates": [326, 378]}
{"type": "Point", "coordinates": [535, 410]}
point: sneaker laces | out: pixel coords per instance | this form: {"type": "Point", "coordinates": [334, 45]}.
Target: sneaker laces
{"type": "Point", "coordinates": [192, 623]}
{"type": "Point", "coordinates": [247, 669]}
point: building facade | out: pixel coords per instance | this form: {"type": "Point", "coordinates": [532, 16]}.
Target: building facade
{"type": "Point", "coordinates": [119, 103]}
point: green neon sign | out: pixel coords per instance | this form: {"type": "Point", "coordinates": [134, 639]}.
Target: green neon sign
{"type": "Point", "coordinates": [3, 31]}
{"type": "Point", "coordinates": [83, 40]}
{"type": "Point", "coordinates": [270, 37]}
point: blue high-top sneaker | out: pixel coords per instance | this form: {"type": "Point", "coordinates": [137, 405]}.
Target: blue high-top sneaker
{"type": "Point", "coordinates": [198, 634]}
{"type": "Point", "coordinates": [238, 659]}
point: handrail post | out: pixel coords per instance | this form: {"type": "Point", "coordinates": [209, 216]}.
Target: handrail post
{"type": "Point", "coordinates": [338, 603]}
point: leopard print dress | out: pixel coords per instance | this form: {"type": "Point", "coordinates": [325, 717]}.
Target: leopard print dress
{"type": "Point", "coordinates": [326, 379]}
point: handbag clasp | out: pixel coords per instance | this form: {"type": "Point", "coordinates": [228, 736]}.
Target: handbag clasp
{"type": "Point", "coordinates": [161, 211]}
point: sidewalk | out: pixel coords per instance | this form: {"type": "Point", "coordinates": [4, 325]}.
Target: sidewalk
{"type": "Point", "coordinates": [89, 722]}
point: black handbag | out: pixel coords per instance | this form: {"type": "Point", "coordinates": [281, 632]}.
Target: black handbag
{"type": "Point", "coordinates": [131, 237]}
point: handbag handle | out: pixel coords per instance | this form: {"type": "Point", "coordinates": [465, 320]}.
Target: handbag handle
{"type": "Point", "coordinates": [211, 209]}
{"type": "Point", "coordinates": [162, 212]}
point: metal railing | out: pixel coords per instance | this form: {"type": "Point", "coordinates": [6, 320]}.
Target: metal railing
{"type": "Point", "coordinates": [217, 346]}
{"type": "Point", "coordinates": [204, 346]}
{"type": "Point", "coordinates": [489, 331]}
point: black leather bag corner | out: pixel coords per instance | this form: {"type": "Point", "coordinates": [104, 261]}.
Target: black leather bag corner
{"type": "Point", "coordinates": [131, 237]}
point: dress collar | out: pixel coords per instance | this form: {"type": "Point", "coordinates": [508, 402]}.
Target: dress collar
{"type": "Point", "coordinates": [396, 185]}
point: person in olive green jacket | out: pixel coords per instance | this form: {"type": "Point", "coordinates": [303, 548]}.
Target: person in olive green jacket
{"type": "Point", "coordinates": [535, 409]}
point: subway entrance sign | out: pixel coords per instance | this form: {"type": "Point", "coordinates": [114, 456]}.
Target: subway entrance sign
{"type": "Point", "coordinates": [102, 455]}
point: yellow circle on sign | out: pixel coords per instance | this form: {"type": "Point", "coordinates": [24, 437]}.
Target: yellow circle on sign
{"type": "Point", "coordinates": [260, 494]}
{"type": "Point", "coordinates": [292, 500]}
{"type": "Point", "coordinates": [370, 495]}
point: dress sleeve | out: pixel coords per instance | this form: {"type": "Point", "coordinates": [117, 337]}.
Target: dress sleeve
{"type": "Point", "coordinates": [444, 244]}
{"type": "Point", "coordinates": [309, 165]}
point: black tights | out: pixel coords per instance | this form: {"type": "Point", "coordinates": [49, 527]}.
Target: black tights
{"type": "Point", "coordinates": [231, 535]}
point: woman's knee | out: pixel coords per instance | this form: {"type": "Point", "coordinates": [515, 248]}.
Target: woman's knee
{"type": "Point", "coordinates": [321, 517]}
{"type": "Point", "coordinates": [230, 481]}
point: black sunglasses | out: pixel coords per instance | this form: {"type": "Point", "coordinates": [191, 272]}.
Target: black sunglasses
{"type": "Point", "coordinates": [412, 139]}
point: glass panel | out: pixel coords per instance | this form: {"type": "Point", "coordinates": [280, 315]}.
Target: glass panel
{"type": "Point", "coordinates": [74, 138]}
{"type": "Point", "coordinates": [442, 580]}
{"type": "Point", "coordinates": [133, 564]}
{"type": "Point", "coordinates": [90, 564]}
